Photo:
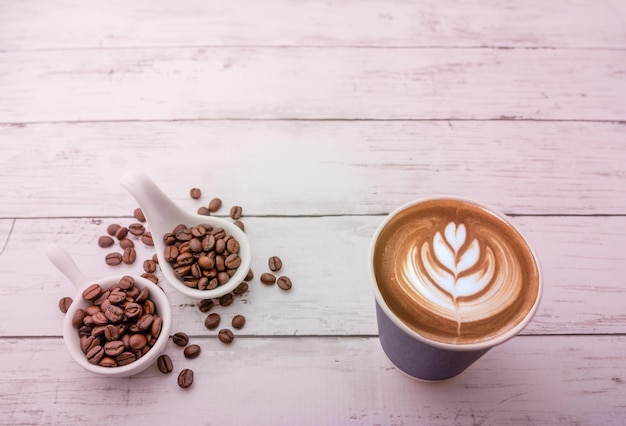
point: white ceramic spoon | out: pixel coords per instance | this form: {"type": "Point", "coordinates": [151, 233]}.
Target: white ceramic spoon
{"type": "Point", "coordinates": [163, 215]}
{"type": "Point", "coordinates": [64, 263]}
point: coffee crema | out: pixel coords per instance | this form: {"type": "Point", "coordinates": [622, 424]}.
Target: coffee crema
{"type": "Point", "coordinates": [455, 272]}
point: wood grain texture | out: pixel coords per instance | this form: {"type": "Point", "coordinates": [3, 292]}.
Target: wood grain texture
{"type": "Point", "coordinates": [314, 168]}
{"type": "Point", "coordinates": [313, 381]}
{"type": "Point", "coordinates": [311, 83]}
{"type": "Point", "coordinates": [536, 23]}
{"type": "Point", "coordinates": [583, 261]}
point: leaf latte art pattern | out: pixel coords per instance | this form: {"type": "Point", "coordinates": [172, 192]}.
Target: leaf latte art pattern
{"type": "Point", "coordinates": [452, 272]}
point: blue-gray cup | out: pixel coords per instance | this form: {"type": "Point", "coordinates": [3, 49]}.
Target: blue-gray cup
{"type": "Point", "coordinates": [468, 268]}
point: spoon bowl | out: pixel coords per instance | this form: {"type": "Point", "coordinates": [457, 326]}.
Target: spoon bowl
{"type": "Point", "coordinates": [64, 263]}
{"type": "Point", "coordinates": [163, 215]}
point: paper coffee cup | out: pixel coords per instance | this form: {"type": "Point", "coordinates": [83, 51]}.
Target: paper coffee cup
{"type": "Point", "coordinates": [452, 279]}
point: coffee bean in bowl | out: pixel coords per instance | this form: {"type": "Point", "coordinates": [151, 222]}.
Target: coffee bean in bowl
{"type": "Point", "coordinates": [113, 328]}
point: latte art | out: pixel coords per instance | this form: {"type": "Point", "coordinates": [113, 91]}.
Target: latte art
{"type": "Point", "coordinates": [454, 272]}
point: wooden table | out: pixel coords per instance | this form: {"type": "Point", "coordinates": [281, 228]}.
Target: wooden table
{"type": "Point", "coordinates": [318, 118]}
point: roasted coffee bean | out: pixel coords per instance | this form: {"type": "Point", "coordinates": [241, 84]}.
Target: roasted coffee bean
{"type": "Point", "coordinates": [138, 213]}
{"type": "Point", "coordinates": [105, 241]}
{"type": "Point", "coordinates": [171, 253]}
{"type": "Point", "coordinates": [149, 266]}
{"type": "Point", "coordinates": [126, 243]}
{"type": "Point", "coordinates": [232, 261]}
{"type": "Point", "coordinates": [218, 233]}
{"type": "Point", "coordinates": [185, 378]}
{"type": "Point", "coordinates": [113, 259]}
{"type": "Point", "coordinates": [195, 245]}
{"type": "Point", "coordinates": [206, 262]}
{"type": "Point", "coordinates": [195, 193]}
{"type": "Point", "coordinates": [143, 295]}
{"type": "Point", "coordinates": [284, 282]}
{"type": "Point", "coordinates": [180, 339]}
{"type": "Point", "coordinates": [111, 332]}
{"type": "Point", "coordinates": [206, 305]}
{"type": "Point", "coordinates": [95, 354]}
{"type": "Point", "coordinates": [126, 282]}
{"type": "Point", "coordinates": [250, 275]}
{"type": "Point", "coordinates": [157, 324]}
{"type": "Point", "coordinates": [114, 348]}
{"type": "Point", "coordinates": [239, 224]}
{"type": "Point", "coordinates": [232, 246]}
{"type": "Point", "coordinates": [220, 246]}
{"type": "Point", "coordinates": [184, 235]}
{"type": "Point", "coordinates": [151, 277]}
{"type": "Point", "coordinates": [137, 229]}
{"type": "Point", "coordinates": [267, 278]}
{"type": "Point", "coordinates": [145, 321]}
{"type": "Point", "coordinates": [137, 341]}
{"type": "Point", "coordinates": [215, 204]}
{"type": "Point", "coordinates": [208, 243]}
{"type": "Point", "coordinates": [65, 303]}
{"type": "Point", "coordinates": [133, 310]}
{"type": "Point", "coordinates": [212, 321]}
{"type": "Point", "coordinates": [129, 256]}
{"type": "Point", "coordinates": [92, 292]}
{"type": "Point", "coordinates": [192, 351]}
{"type": "Point", "coordinates": [184, 259]}
{"type": "Point", "coordinates": [92, 309]}
{"type": "Point", "coordinates": [164, 364]}
{"type": "Point", "coordinates": [146, 238]}
{"type": "Point", "coordinates": [107, 362]}
{"type": "Point", "coordinates": [114, 314]}
{"type": "Point", "coordinates": [203, 211]}
{"type": "Point", "coordinates": [275, 263]}
{"type": "Point", "coordinates": [238, 321]}
{"type": "Point", "coordinates": [225, 335]}
{"type": "Point", "coordinates": [198, 231]}
{"type": "Point", "coordinates": [112, 229]}
{"type": "Point", "coordinates": [235, 212]}
{"type": "Point", "coordinates": [125, 358]}
{"type": "Point", "coordinates": [87, 343]}
{"type": "Point", "coordinates": [226, 299]}
{"type": "Point", "coordinates": [99, 318]}
{"type": "Point", "coordinates": [241, 288]}
{"type": "Point", "coordinates": [121, 232]}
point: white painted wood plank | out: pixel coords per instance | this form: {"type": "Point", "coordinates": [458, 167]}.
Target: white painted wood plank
{"type": "Point", "coordinates": [583, 260]}
{"type": "Point", "coordinates": [315, 168]}
{"type": "Point", "coordinates": [74, 24]}
{"type": "Point", "coordinates": [311, 83]}
{"type": "Point", "coordinates": [313, 381]}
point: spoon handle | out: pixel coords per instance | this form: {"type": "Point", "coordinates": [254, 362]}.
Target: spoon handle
{"type": "Point", "coordinates": [157, 207]}
{"type": "Point", "coordinates": [64, 263]}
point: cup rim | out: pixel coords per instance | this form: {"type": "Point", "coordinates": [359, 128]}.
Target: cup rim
{"type": "Point", "coordinates": [458, 347]}
{"type": "Point", "coordinates": [72, 340]}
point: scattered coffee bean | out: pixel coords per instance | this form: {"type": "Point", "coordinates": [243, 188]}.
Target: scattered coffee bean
{"type": "Point", "coordinates": [149, 266]}
{"type": "Point", "coordinates": [185, 378]}
{"type": "Point", "coordinates": [267, 278]}
{"type": "Point", "coordinates": [180, 339]}
{"type": "Point", "coordinates": [137, 229]}
{"type": "Point", "coordinates": [250, 275]}
{"type": "Point", "coordinates": [138, 213]}
{"type": "Point", "coordinates": [129, 256]}
{"type": "Point", "coordinates": [235, 212]}
{"type": "Point", "coordinates": [164, 364]}
{"type": "Point", "coordinates": [112, 229]}
{"type": "Point", "coordinates": [126, 243]}
{"type": "Point", "coordinates": [146, 238]}
{"type": "Point", "coordinates": [195, 193]}
{"type": "Point", "coordinates": [238, 321]}
{"type": "Point", "coordinates": [212, 321]}
{"type": "Point", "coordinates": [204, 211]}
{"type": "Point", "coordinates": [215, 205]}
{"type": "Point", "coordinates": [105, 241]}
{"type": "Point", "coordinates": [239, 224]}
{"type": "Point", "coordinates": [284, 282]}
{"type": "Point", "coordinates": [121, 232]}
{"type": "Point", "coordinates": [150, 276]}
{"type": "Point", "coordinates": [65, 303]}
{"type": "Point", "coordinates": [241, 288]}
{"type": "Point", "coordinates": [275, 263]}
{"type": "Point", "coordinates": [206, 305]}
{"type": "Point", "coordinates": [113, 259]}
{"type": "Point", "coordinates": [226, 299]}
{"type": "Point", "coordinates": [192, 351]}
{"type": "Point", "coordinates": [225, 335]}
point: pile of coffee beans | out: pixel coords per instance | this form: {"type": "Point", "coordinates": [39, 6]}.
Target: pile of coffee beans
{"type": "Point", "coordinates": [202, 256]}
{"type": "Point", "coordinates": [119, 326]}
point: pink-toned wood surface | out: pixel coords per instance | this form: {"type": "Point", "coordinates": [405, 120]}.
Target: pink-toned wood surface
{"type": "Point", "coordinates": [318, 118]}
